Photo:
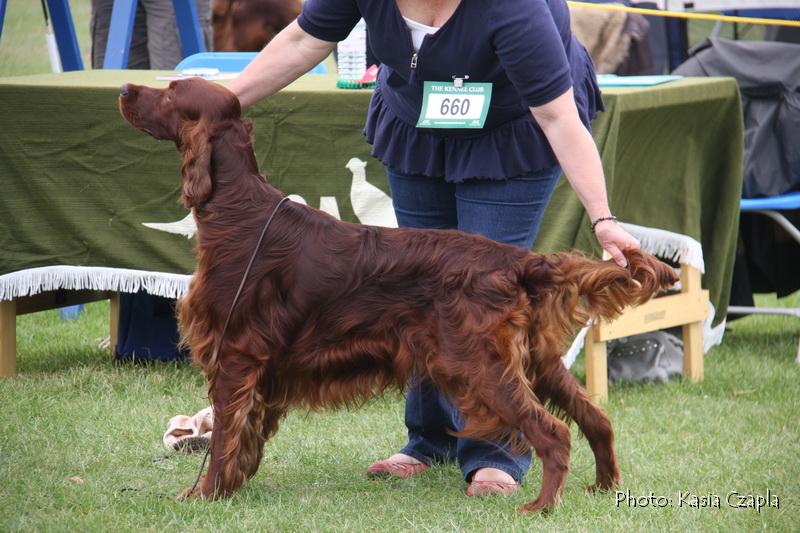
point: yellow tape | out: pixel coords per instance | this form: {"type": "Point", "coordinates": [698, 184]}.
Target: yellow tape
{"type": "Point", "coordinates": [695, 16]}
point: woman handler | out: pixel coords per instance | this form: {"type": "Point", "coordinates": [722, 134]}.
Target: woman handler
{"type": "Point", "coordinates": [453, 164]}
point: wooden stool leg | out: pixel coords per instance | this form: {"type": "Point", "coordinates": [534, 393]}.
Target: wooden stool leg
{"type": "Point", "coordinates": [693, 332]}
{"type": "Point", "coordinates": [693, 351]}
{"type": "Point", "coordinates": [113, 321]}
{"type": "Point", "coordinates": [8, 338]}
{"type": "Point", "coordinates": [596, 369]}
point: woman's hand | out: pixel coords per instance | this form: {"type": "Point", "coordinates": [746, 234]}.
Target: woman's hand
{"type": "Point", "coordinates": [577, 153]}
{"type": "Point", "coordinates": [614, 239]}
{"type": "Point", "coordinates": [292, 53]}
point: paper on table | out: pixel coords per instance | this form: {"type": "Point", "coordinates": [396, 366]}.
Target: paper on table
{"type": "Point", "coordinates": [612, 80]}
{"type": "Point", "coordinates": [206, 73]}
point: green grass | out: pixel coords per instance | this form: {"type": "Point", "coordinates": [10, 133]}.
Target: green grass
{"type": "Point", "coordinates": [23, 49]}
{"type": "Point", "coordinates": [80, 449]}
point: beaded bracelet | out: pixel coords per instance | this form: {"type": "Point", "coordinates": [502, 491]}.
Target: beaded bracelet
{"type": "Point", "coordinates": [601, 219]}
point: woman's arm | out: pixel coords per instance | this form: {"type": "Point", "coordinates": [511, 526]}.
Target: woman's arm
{"type": "Point", "coordinates": [577, 153]}
{"type": "Point", "coordinates": [292, 53]}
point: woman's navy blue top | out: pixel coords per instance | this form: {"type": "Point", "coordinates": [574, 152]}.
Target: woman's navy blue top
{"type": "Point", "coordinates": [525, 48]}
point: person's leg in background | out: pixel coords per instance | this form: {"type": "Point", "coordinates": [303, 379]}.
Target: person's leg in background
{"type": "Point", "coordinates": [423, 202]}
{"type": "Point", "coordinates": [164, 44]}
{"type": "Point", "coordinates": [100, 22]}
{"type": "Point", "coordinates": [205, 16]}
{"type": "Point", "coordinates": [508, 211]}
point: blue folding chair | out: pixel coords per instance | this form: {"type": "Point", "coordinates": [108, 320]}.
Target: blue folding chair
{"type": "Point", "coordinates": [772, 207]}
{"type": "Point", "coordinates": [2, 15]}
{"type": "Point", "coordinates": [229, 62]}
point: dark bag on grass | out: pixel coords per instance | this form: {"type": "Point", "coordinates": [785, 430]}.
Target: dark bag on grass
{"type": "Point", "coordinates": [648, 357]}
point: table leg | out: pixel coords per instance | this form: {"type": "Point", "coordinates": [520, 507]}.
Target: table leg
{"type": "Point", "coordinates": [596, 369]}
{"type": "Point", "coordinates": [113, 321]}
{"type": "Point", "coordinates": [8, 338]}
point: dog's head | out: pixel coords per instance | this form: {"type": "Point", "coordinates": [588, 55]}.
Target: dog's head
{"type": "Point", "coordinates": [190, 113]}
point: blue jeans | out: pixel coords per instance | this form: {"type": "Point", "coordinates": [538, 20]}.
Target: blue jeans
{"type": "Point", "coordinates": [508, 211]}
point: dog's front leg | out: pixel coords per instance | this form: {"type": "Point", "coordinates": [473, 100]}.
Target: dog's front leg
{"type": "Point", "coordinates": [237, 440]}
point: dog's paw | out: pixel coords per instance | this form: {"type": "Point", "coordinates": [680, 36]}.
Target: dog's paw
{"type": "Point", "coordinates": [537, 506]}
{"type": "Point", "coordinates": [604, 485]}
{"type": "Point", "coordinates": [190, 493]}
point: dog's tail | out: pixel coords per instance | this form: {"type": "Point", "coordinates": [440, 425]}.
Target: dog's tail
{"type": "Point", "coordinates": [568, 289]}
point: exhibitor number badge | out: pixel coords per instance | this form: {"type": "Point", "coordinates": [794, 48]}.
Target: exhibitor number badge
{"type": "Point", "coordinates": [447, 105]}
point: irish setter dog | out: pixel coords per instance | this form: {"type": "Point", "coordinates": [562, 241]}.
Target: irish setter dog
{"type": "Point", "coordinates": [248, 25]}
{"type": "Point", "coordinates": [333, 313]}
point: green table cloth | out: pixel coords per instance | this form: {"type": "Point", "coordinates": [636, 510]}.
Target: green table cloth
{"type": "Point", "coordinates": [78, 182]}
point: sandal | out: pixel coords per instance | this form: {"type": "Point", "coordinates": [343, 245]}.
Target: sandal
{"type": "Point", "coordinates": [190, 434]}
{"type": "Point", "coordinates": [192, 443]}
{"type": "Point", "coordinates": [394, 468]}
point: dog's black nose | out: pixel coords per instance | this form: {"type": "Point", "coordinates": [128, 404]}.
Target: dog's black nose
{"type": "Point", "coordinates": [123, 91]}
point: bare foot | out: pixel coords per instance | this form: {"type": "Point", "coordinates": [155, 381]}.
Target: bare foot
{"type": "Point", "coordinates": [403, 458]}
{"type": "Point", "coordinates": [399, 465]}
{"type": "Point", "coordinates": [490, 481]}
{"type": "Point", "coordinates": [493, 474]}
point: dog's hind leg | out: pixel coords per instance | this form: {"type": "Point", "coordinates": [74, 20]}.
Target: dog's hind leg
{"type": "Point", "coordinates": [561, 388]}
{"type": "Point", "coordinates": [550, 439]}
{"type": "Point", "coordinates": [549, 436]}
{"type": "Point", "coordinates": [494, 399]}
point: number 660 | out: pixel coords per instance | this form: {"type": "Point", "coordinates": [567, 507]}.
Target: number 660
{"type": "Point", "coordinates": [455, 107]}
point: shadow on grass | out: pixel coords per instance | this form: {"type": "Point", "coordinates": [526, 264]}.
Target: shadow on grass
{"type": "Point", "coordinates": [48, 344]}
{"type": "Point", "coordinates": [71, 358]}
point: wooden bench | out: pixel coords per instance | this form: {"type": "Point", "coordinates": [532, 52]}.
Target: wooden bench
{"type": "Point", "coordinates": [10, 309]}
{"type": "Point", "coordinates": [688, 309]}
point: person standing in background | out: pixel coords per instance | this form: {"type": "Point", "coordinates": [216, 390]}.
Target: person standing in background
{"type": "Point", "coordinates": [155, 43]}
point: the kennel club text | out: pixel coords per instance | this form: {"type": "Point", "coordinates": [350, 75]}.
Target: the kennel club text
{"type": "Point", "coordinates": [689, 499]}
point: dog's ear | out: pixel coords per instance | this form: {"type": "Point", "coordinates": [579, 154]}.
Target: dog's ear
{"type": "Point", "coordinates": [196, 151]}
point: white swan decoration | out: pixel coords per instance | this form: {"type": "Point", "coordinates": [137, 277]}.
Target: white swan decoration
{"type": "Point", "coordinates": [370, 204]}
{"type": "Point", "coordinates": [186, 227]}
